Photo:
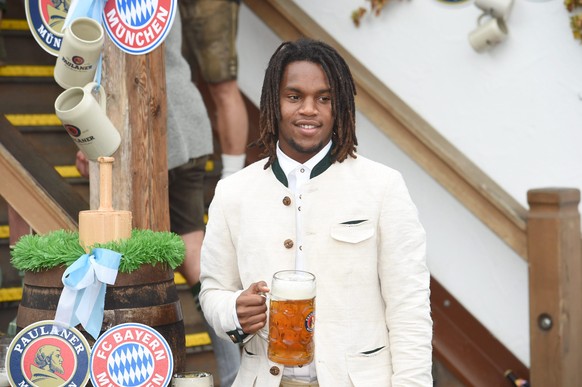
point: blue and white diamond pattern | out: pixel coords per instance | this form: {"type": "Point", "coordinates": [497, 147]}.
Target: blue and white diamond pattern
{"type": "Point", "coordinates": [136, 13]}
{"type": "Point", "coordinates": [130, 365]}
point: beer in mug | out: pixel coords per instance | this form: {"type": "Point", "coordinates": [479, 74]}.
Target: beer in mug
{"type": "Point", "coordinates": [291, 317]}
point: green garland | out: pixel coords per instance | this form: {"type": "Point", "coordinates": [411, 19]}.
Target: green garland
{"type": "Point", "coordinates": [61, 247]}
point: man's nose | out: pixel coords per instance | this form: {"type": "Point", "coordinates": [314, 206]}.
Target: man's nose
{"type": "Point", "coordinates": [308, 107]}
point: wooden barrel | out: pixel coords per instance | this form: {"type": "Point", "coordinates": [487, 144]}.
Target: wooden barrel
{"type": "Point", "coordinates": [147, 295]}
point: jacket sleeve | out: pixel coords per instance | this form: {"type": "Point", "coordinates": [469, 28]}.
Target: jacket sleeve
{"type": "Point", "coordinates": [219, 275]}
{"type": "Point", "coordinates": [405, 282]}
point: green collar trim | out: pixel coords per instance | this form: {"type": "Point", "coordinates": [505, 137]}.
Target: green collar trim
{"type": "Point", "coordinates": [317, 170]}
{"type": "Point", "coordinates": [322, 165]}
{"type": "Point", "coordinates": [279, 174]}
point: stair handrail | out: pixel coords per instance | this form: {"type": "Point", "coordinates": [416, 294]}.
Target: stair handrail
{"type": "Point", "coordinates": [414, 135]}
{"type": "Point", "coordinates": [33, 188]}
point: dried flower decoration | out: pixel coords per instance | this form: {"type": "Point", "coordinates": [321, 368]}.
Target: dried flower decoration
{"type": "Point", "coordinates": [576, 25]}
{"type": "Point", "coordinates": [376, 7]}
{"type": "Point", "coordinates": [571, 4]}
{"type": "Point", "coordinates": [576, 20]}
{"type": "Point", "coordinates": [357, 15]}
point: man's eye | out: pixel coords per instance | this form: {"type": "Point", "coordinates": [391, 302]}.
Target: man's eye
{"type": "Point", "coordinates": [293, 97]}
{"type": "Point", "coordinates": [325, 98]}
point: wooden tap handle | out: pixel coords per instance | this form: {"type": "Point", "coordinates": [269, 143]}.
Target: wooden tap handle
{"type": "Point", "coordinates": [105, 182]}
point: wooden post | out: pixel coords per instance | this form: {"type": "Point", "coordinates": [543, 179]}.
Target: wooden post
{"type": "Point", "coordinates": [18, 226]}
{"type": "Point", "coordinates": [136, 104]}
{"type": "Point", "coordinates": [555, 287]}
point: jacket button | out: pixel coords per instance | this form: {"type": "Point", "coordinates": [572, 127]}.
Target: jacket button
{"type": "Point", "coordinates": [288, 243]}
{"type": "Point", "coordinates": [274, 371]}
{"type": "Point", "coordinates": [286, 200]}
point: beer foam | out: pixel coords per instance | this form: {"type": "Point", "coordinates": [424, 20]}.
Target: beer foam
{"type": "Point", "coordinates": [293, 288]}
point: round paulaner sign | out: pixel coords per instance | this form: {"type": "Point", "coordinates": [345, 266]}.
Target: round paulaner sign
{"type": "Point", "coordinates": [138, 26]}
{"type": "Point", "coordinates": [131, 355]}
{"type": "Point", "coordinates": [48, 353]}
{"type": "Point", "coordinates": [46, 19]}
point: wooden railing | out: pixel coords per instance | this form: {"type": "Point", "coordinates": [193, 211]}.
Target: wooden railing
{"type": "Point", "coordinates": [555, 287]}
{"type": "Point", "coordinates": [33, 188]}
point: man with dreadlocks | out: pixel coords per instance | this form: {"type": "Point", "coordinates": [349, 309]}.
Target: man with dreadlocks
{"type": "Point", "coordinates": [313, 204]}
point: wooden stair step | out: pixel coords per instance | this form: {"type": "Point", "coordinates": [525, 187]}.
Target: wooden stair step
{"type": "Point", "coordinates": [29, 97]}
{"type": "Point", "coordinates": [33, 73]}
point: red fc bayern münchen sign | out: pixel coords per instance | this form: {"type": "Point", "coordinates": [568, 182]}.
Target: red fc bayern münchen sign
{"type": "Point", "coordinates": [138, 26]}
{"type": "Point", "coordinates": [131, 355]}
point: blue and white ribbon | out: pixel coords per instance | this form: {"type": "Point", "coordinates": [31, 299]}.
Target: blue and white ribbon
{"type": "Point", "coordinates": [83, 298]}
{"type": "Point", "coordinates": [85, 8]}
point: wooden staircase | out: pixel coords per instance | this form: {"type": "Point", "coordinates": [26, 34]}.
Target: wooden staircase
{"type": "Point", "coordinates": [27, 94]}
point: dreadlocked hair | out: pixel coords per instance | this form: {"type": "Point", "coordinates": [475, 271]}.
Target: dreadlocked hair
{"type": "Point", "coordinates": [342, 88]}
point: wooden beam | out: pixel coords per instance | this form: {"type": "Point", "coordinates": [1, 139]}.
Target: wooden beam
{"type": "Point", "coordinates": [465, 347]}
{"type": "Point", "coordinates": [555, 286]}
{"type": "Point", "coordinates": [18, 226]}
{"type": "Point", "coordinates": [28, 198]}
{"type": "Point", "coordinates": [43, 200]}
{"type": "Point", "coordinates": [455, 172]}
{"type": "Point", "coordinates": [136, 104]}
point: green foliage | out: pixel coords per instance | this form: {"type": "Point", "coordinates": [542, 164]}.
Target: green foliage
{"type": "Point", "coordinates": [42, 252]}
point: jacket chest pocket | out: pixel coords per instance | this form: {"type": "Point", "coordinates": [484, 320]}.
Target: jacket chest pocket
{"type": "Point", "coordinates": [353, 232]}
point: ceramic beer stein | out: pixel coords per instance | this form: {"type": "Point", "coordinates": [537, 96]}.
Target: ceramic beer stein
{"type": "Point", "coordinates": [499, 9]}
{"type": "Point", "coordinates": [488, 33]}
{"type": "Point", "coordinates": [79, 54]}
{"type": "Point", "coordinates": [85, 119]}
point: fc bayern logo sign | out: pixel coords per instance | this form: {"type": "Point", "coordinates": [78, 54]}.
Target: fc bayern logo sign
{"type": "Point", "coordinates": [48, 353]}
{"type": "Point", "coordinates": [131, 355]}
{"type": "Point", "coordinates": [138, 26]}
{"type": "Point", "coordinates": [46, 19]}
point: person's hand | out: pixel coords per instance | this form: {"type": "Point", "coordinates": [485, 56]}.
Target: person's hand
{"type": "Point", "coordinates": [251, 307]}
{"type": "Point", "coordinates": [82, 164]}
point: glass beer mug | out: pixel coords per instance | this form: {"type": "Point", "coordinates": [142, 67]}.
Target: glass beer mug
{"type": "Point", "coordinates": [291, 317]}
{"type": "Point", "coordinates": [193, 379]}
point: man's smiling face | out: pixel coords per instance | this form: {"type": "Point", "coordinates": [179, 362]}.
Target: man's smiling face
{"type": "Point", "coordinates": [306, 118]}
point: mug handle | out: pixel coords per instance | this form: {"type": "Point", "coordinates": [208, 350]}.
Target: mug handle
{"type": "Point", "coordinates": [97, 90]}
{"type": "Point", "coordinates": [263, 333]}
{"type": "Point", "coordinates": [483, 16]}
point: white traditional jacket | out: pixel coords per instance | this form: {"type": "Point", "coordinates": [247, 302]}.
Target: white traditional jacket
{"type": "Point", "coordinates": [365, 245]}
